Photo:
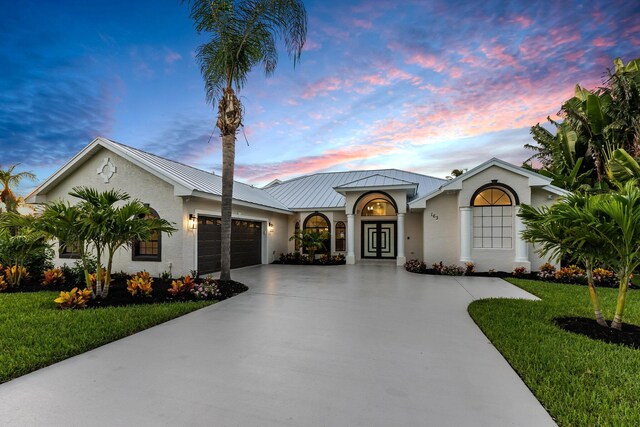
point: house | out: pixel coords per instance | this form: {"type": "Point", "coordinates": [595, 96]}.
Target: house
{"type": "Point", "coordinates": [377, 214]}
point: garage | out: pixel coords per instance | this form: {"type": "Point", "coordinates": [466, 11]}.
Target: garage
{"type": "Point", "coordinates": [246, 243]}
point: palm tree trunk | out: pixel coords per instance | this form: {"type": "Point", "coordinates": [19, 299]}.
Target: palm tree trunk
{"type": "Point", "coordinates": [622, 297]}
{"type": "Point", "coordinates": [229, 119]}
{"type": "Point", "coordinates": [595, 299]}
{"type": "Point", "coordinates": [107, 273]}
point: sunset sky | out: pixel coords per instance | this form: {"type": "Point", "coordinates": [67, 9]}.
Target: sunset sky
{"type": "Point", "coordinates": [425, 86]}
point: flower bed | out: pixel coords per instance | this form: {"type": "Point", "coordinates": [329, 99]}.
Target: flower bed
{"type": "Point", "coordinates": [296, 258]}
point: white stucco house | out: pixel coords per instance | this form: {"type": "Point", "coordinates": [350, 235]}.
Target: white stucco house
{"type": "Point", "coordinates": [376, 214]}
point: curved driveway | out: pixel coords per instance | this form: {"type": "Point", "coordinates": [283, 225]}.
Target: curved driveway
{"type": "Point", "coordinates": [363, 345]}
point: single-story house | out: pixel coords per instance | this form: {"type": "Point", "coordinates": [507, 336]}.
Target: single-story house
{"type": "Point", "coordinates": [383, 214]}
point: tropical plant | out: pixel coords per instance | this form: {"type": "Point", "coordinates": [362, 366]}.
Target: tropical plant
{"type": "Point", "coordinates": [75, 298]}
{"type": "Point", "coordinates": [52, 277]}
{"type": "Point", "coordinates": [26, 247]}
{"type": "Point", "coordinates": [3, 283]}
{"type": "Point", "coordinates": [9, 179]}
{"type": "Point", "coordinates": [243, 36]}
{"type": "Point", "coordinates": [108, 227]}
{"type": "Point", "coordinates": [311, 241]}
{"type": "Point", "coordinates": [180, 287]}
{"type": "Point", "coordinates": [140, 284]}
{"type": "Point", "coordinates": [565, 230]}
{"type": "Point", "coordinates": [622, 167]}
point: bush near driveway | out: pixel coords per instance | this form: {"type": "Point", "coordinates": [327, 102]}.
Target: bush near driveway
{"type": "Point", "coordinates": [580, 381]}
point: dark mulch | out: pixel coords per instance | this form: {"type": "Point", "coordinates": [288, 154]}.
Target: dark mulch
{"type": "Point", "coordinates": [119, 296]}
{"type": "Point", "coordinates": [628, 336]}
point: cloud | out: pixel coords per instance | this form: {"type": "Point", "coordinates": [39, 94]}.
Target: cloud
{"type": "Point", "coordinates": [172, 57]}
{"type": "Point", "coordinates": [602, 42]}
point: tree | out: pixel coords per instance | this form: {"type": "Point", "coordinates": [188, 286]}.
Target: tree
{"type": "Point", "coordinates": [107, 227]}
{"type": "Point", "coordinates": [243, 36]}
{"type": "Point", "coordinates": [9, 179]}
{"type": "Point", "coordinates": [311, 241]}
{"type": "Point", "coordinates": [560, 231]}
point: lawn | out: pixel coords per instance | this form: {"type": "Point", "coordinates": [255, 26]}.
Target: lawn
{"type": "Point", "coordinates": [34, 333]}
{"type": "Point", "coordinates": [580, 381]}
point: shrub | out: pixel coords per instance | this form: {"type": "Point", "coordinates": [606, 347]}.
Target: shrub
{"type": "Point", "coordinates": [53, 277]}
{"type": "Point", "coordinates": [180, 287]}
{"type": "Point", "coordinates": [439, 267]}
{"type": "Point", "coordinates": [415, 266]}
{"type": "Point", "coordinates": [452, 270]}
{"type": "Point", "coordinates": [207, 289]}
{"type": "Point", "coordinates": [469, 268]}
{"type": "Point", "coordinates": [604, 277]}
{"type": "Point", "coordinates": [140, 284]}
{"type": "Point", "coordinates": [3, 283]}
{"type": "Point", "coordinates": [519, 271]}
{"type": "Point", "coordinates": [74, 299]}
{"type": "Point", "coordinates": [570, 274]}
{"type": "Point", "coordinates": [14, 275]}
{"type": "Point", "coordinates": [547, 271]}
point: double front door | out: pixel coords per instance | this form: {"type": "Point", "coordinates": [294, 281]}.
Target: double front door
{"type": "Point", "coordinates": [379, 239]}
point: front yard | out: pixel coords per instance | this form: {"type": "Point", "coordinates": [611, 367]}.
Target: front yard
{"type": "Point", "coordinates": [34, 333]}
{"type": "Point", "coordinates": [580, 381]}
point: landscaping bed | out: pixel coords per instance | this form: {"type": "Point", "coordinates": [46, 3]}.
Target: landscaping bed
{"type": "Point", "coordinates": [580, 380]}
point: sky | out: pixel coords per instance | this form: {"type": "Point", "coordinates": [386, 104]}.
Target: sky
{"type": "Point", "coordinates": [425, 86]}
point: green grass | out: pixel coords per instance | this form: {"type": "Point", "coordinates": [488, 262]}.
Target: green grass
{"type": "Point", "coordinates": [580, 381]}
{"type": "Point", "coordinates": [34, 333]}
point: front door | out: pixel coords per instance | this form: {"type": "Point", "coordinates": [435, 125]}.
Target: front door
{"type": "Point", "coordinates": [379, 239]}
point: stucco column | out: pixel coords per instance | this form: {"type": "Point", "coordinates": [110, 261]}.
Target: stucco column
{"type": "Point", "coordinates": [522, 250]}
{"type": "Point", "coordinates": [401, 259]}
{"type": "Point", "coordinates": [466, 223]}
{"type": "Point", "coordinates": [351, 239]}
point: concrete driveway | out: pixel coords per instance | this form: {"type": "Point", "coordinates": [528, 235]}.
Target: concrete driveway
{"type": "Point", "coordinates": [363, 345]}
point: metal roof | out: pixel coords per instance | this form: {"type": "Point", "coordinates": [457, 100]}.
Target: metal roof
{"type": "Point", "coordinates": [376, 180]}
{"type": "Point", "coordinates": [316, 191]}
{"type": "Point", "coordinates": [199, 180]}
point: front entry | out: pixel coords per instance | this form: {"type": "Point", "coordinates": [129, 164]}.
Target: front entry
{"type": "Point", "coordinates": [379, 239]}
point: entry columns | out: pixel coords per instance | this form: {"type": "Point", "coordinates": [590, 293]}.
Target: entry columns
{"type": "Point", "coordinates": [401, 259]}
{"type": "Point", "coordinates": [522, 251]}
{"type": "Point", "coordinates": [351, 239]}
{"type": "Point", "coordinates": [466, 219]}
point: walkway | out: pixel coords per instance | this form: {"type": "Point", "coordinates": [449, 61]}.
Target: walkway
{"type": "Point", "coordinates": [363, 345]}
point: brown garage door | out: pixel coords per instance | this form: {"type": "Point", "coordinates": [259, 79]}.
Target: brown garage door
{"type": "Point", "coordinates": [246, 244]}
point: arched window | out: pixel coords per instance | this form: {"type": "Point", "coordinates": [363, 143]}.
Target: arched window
{"type": "Point", "coordinates": [492, 218]}
{"type": "Point", "coordinates": [296, 232]}
{"type": "Point", "coordinates": [340, 237]}
{"type": "Point", "coordinates": [319, 223]}
{"type": "Point", "coordinates": [378, 207]}
{"type": "Point", "coordinates": [148, 250]}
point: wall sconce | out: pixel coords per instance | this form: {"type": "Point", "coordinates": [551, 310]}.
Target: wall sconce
{"type": "Point", "coordinates": [271, 228]}
{"type": "Point", "coordinates": [192, 222]}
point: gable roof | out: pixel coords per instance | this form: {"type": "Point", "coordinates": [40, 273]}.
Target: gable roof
{"type": "Point", "coordinates": [535, 180]}
{"type": "Point", "coordinates": [185, 179]}
{"type": "Point", "coordinates": [318, 190]}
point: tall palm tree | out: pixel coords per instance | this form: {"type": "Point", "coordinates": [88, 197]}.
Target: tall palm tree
{"type": "Point", "coordinates": [243, 36]}
{"type": "Point", "coordinates": [9, 179]}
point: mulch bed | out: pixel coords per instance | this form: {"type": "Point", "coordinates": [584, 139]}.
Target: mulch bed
{"type": "Point", "coordinates": [119, 296]}
{"type": "Point", "coordinates": [628, 336]}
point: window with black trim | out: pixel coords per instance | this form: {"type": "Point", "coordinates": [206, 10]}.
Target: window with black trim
{"type": "Point", "coordinates": [148, 250]}
{"type": "Point", "coordinates": [68, 250]}
{"type": "Point", "coordinates": [340, 237]}
{"type": "Point", "coordinates": [319, 223]}
{"type": "Point", "coordinates": [297, 232]}
{"type": "Point", "coordinates": [492, 219]}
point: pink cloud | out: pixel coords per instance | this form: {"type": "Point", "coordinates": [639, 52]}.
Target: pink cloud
{"type": "Point", "coordinates": [310, 45]}
{"type": "Point", "coordinates": [525, 22]}
{"type": "Point", "coordinates": [602, 42]}
{"type": "Point", "coordinates": [427, 61]}
{"type": "Point", "coordinates": [322, 87]}
{"type": "Point", "coordinates": [361, 23]}
{"type": "Point", "coordinates": [172, 57]}
{"type": "Point", "coordinates": [499, 57]}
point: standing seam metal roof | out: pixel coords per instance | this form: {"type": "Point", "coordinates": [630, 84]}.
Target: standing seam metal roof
{"type": "Point", "coordinates": [316, 191]}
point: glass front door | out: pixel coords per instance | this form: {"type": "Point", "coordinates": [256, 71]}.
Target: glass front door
{"type": "Point", "coordinates": [379, 239]}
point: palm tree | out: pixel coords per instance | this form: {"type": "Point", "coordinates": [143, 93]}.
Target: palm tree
{"type": "Point", "coordinates": [243, 36]}
{"type": "Point", "coordinates": [311, 241]}
{"type": "Point", "coordinates": [561, 231]}
{"type": "Point", "coordinates": [9, 179]}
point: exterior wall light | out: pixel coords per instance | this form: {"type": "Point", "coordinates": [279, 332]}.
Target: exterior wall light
{"type": "Point", "coordinates": [192, 222]}
{"type": "Point", "coordinates": [271, 228]}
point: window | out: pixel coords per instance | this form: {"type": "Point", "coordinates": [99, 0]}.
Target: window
{"type": "Point", "coordinates": [378, 207]}
{"type": "Point", "coordinates": [340, 237]}
{"type": "Point", "coordinates": [297, 232]}
{"type": "Point", "coordinates": [319, 223]}
{"type": "Point", "coordinates": [68, 250]}
{"type": "Point", "coordinates": [148, 250]}
{"type": "Point", "coordinates": [492, 219]}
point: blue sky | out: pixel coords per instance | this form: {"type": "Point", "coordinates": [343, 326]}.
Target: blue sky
{"type": "Point", "coordinates": [426, 86]}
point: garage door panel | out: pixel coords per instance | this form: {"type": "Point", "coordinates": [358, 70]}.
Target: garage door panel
{"type": "Point", "coordinates": [246, 243]}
